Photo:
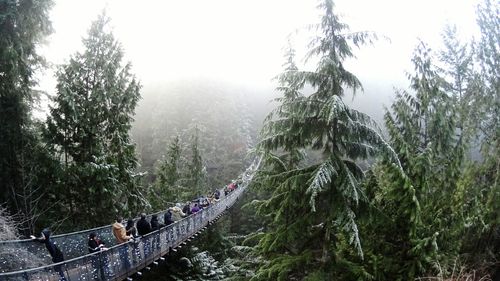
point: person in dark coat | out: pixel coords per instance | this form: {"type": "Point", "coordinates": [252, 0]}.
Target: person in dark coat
{"type": "Point", "coordinates": [204, 203]}
{"type": "Point", "coordinates": [187, 209]}
{"type": "Point", "coordinates": [131, 229]}
{"type": "Point", "coordinates": [143, 226]}
{"type": "Point", "coordinates": [95, 244]}
{"type": "Point", "coordinates": [99, 263]}
{"type": "Point", "coordinates": [167, 217]}
{"type": "Point", "coordinates": [55, 253]}
{"type": "Point", "coordinates": [155, 224]}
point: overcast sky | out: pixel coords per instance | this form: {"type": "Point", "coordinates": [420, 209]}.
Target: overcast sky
{"type": "Point", "coordinates": [242, 41]}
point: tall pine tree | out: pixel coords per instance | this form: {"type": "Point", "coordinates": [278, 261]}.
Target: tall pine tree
{"type": "Point", "coordinates": [479, 187]}
{"type": "Point", "coordinates": [166, 187]}
{"type": "Point", "coordinates": [195, 169]}
{"type": "Point", "coordinates": [23, 26]}
{"type": "Point", "coordinates": [322, 197]}
{"type": "Point", "coordinates": [88, 128]}
{"type": "Point", "coordinates": [414, 203]}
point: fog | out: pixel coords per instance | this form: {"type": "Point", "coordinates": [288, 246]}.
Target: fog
{"type": "Point", "coordinates": [242, 42]}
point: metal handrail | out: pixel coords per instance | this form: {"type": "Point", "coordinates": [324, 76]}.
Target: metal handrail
{"type": "Point", "coordinates": [123, 260]}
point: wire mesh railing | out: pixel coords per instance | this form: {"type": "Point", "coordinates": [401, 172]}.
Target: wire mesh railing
{"type": "Point", "coordinates": [71, 244]}
{"type": "Point", "coordinates": [122, 260]}
{"type": "Point", "coordinates": [74, 244]}
{"type": "Point", "coordinates": [125, 259]}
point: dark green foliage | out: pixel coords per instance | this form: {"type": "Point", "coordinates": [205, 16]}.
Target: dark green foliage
{"type": "Point", "coordinates": [422, 129]}
{"type": "Point", "coordinates": [488, 51]}
{"type": "Point", "coordinates": [195, 175]}
{"type": "Point", "coordinates": [166, 188]}
{"type": "Point", "coordinates": [479, 189]}
{"type": "Point", "coordinates": [438, 209]}
{"type": "Point", "coordinates": [23, 26]}
{"type": "Point", "coordinates": [314, 205]}
{"type": "Point", "coordinates": [429, 207]}
{"type": "Point", "coordinates": [179, 177]}
{"type": "Point", "coordinates": [88, 131]}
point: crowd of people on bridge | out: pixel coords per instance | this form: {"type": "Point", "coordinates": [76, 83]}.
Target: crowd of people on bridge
{"type": "Point", "coordinates": [130, 231]}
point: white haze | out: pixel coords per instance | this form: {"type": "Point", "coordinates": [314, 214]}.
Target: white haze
{"type": "Point", "coordinates": [242, 41]}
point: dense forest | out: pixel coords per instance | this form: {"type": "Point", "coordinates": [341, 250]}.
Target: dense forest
{"type": "Point", "coordinates": [337, 195]}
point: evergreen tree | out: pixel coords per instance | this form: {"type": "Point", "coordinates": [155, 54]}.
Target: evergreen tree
{"type": "Point", "coordinates": [23, 26]}
{"type": "Point", "coordinates": [166, 189]}
{"type": "Point", "coordinates": [479, 188]}
{"type": "Point", "coordinates": [290, 84]}
{"type": "Point", "coordinates": [195, 171]}
{"type": "Point", "coordinates": [88, 128]}
{"type": "Point", "coordinates": [179, 177]}
{"type": "Point", "coordinates": [460, 80]}
{"type": "Point", "coordinates": [435, 203]}
{"type": "Point", "coordinates": [488, 51]}
{"type": "Point", "coordinates": [322, 196]}
{"type": "Point", "coordinates": [426, 132]}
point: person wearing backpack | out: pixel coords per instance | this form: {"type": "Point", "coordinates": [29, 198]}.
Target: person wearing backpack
{"type": "Point", "coordinates": [54, 251]}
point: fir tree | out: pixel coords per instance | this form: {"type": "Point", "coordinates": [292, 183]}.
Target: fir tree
{"type": "Point", "coordinates": [323, 196]}
{"type": "Point", "coordinates": [23, 26]}
{"type": "Point", "coordinates": [195, 170]}
{"type": "Point", "coordinates": [422, 126]}
{"type": "Point", "coordinates": [479, 188]}
{"type": "Point", "coordinates": [168, 174]}
{"type": "Point", "coordinates": [179, 177]}
{"type": "Point", "coordinates": [88, 128]}
{"type": "Point", "coordinates": [488, 54]}
{"type": "Point", "coordinates": [460, 80]}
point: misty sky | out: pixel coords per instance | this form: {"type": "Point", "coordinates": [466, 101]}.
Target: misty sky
{"type": "Point", "coordinates": [242, 41]}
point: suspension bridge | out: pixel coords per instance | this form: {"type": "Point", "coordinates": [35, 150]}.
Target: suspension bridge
{"type": "Point", "coordinates": [120, 261]}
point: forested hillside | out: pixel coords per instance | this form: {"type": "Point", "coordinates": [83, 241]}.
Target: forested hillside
{"type": "Point", "coordinates": [337, 196]}
{"type": "Point", "coordinates": [224, 116]}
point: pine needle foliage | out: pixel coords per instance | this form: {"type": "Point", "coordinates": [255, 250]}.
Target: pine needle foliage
{"type": "Point", "coordinates": [167, 176]}
{"type": "Point", "coordinates": [479, 189]}
{"type": "Point", "coordinates": [179, 177]}
{"type": "Point", "coordinates": [24, 24]}
{"type": "Point", "coordinates": [88, 130]}
{"type": "Point", "coordinates": [195, 173]}
{"type": "Point", "coordinates": [314, 204]}
{"type": "Point", "coordinates": [423, 127]}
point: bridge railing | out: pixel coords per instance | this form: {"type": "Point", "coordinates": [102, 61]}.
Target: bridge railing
{"type": "Point", "coordinates": [123, 260]}
{"type": "Point", "coordinates": [71, 244]}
